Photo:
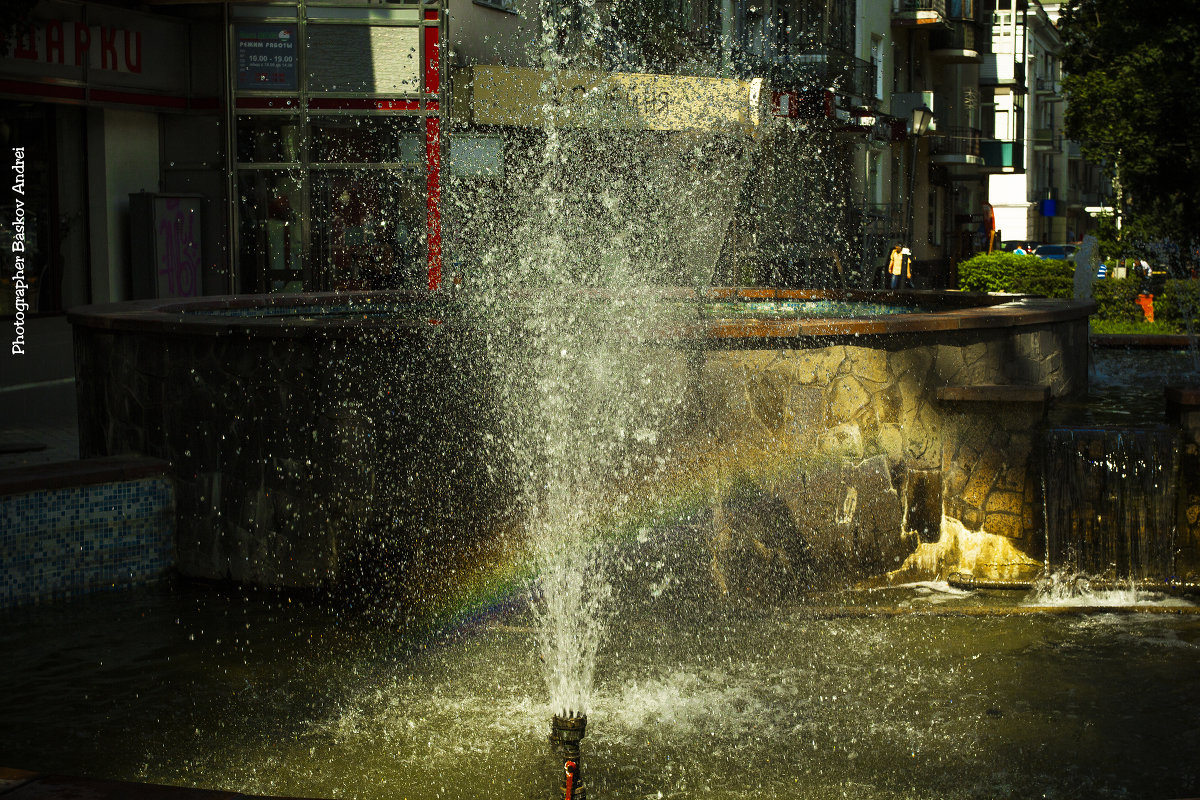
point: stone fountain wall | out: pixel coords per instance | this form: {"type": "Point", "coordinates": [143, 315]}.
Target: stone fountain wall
{"type": "Point", "coordinates": [299, 457]}
{"type": "Point", "coordinates": [315, 454]}
{"type": "Point", "coordinates": [1184, 408]}
{"type": "Point", "coordinates": [913, 456]}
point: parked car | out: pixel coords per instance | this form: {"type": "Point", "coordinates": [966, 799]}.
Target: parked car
{"type": "Point", "coordinates": [1009, 245]}
{"type": "Point", "coordinates": [1056, 252]}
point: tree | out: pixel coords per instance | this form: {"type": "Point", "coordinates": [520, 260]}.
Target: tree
{"type": "Point", "coordinates": [1133, 85]}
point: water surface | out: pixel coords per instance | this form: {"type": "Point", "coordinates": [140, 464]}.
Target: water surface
{"type": "Point", "coordinates": [918, 692]}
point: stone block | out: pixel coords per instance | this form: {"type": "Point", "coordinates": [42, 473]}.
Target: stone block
{"type": "Point", "coordinates": [847, 397]}
{"type": "Point", "coordinates": [1012, 479]}
{"type": "Point", "coordinates": [844, 441]}
{"type": "Point", "coordinates": [948, 365]}
{"type": "Point", "coordinates": [767, 393]}
{"type": "Point", "coordinates": [914, 362]}
{"type": "Point", "coordinates": [1007, 502]}
{"type": "Point", "coordinates": [803, 416]}
{"type": "Point", "coordinates": [868, 364]}
{"type": "Point", "coordinates": [983, 478]}
{"type": "Point", "coordinates": [817, 366]}
{"type": "Point", "coordinates": [922, 438]}
{"type": "Point", "coordinates": [971, 518]}
{"type": "Point", "coordinates": [891, 442]}
{"type": "Point", "coordinates": [1001, 524]}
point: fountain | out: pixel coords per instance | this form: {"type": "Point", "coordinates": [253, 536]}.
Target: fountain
{"type": "Point", "coordinates": [719, 519]}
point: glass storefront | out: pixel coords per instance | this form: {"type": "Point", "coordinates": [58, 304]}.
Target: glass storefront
{"type": "Point", "coordinates": [336, 178]}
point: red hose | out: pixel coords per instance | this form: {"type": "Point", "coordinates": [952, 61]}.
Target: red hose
{"type": "Point", "coordinates": [571, 767]}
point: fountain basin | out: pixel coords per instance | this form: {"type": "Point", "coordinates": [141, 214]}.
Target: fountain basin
{"type": "Point", "coordinates": [914, 692]}
{"type": "Point", "coordinates": [314, 437]}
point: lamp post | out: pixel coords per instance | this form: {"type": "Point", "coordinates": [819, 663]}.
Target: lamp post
{"type": "Point", "coordinates": [918, 126]}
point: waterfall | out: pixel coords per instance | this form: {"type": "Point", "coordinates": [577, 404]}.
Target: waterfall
{"type": "Point", "coordinates": [1110, 501]}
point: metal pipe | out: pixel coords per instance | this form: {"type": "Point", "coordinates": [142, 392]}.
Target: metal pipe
{"type": "Point", "coordinates": [566, 732]}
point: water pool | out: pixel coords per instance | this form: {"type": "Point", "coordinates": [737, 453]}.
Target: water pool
{"type": "Point", "coordinates": [913, 692]}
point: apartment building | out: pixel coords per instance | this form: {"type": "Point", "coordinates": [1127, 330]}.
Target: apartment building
{"type": "Point", "coordinates": [1040, 188]}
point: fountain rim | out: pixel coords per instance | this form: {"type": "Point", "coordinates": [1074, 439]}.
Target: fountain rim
{"type": "Point", "coordinates": [953, 310]}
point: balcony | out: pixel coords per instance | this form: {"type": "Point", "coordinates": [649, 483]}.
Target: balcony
{"type": "Point", "coordinates": [913, 13]}
{"type": "Point", "coordinates": [957, 146]}
{"type": "Point", "coordinates": [825, 68]}
{"type": "Point", "coordinates": [1000, 69]}
{"type": "Point", "coordinates": [1046, 140]}
{"type": "Point", "coordinates": [1002, 157]}
{"type": "Point", "coordinates": [1047, 87]}
{"type": "Point", "coordinates": [959, 44]}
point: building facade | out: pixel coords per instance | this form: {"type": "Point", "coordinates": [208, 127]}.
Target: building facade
{"type": "Point", "coordinates": [209, 148]}
{"type": "Point", "coordinates": [1040, 187]}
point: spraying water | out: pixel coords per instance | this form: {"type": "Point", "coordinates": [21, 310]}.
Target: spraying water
{"type": "Point", "coordinates": [573, 256]}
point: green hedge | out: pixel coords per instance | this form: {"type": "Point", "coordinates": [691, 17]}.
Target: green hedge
{"type": "Point", "coordinates": [1143, 328]}
{"type": "Point", "coordinates": [1116, 299]}
{"type": "Point", "coordinates": [1116, 302]}
{"type": "Point", "coordinates": [1176, 296]}
{"type": "Point", "coordinates": [1005, 272]}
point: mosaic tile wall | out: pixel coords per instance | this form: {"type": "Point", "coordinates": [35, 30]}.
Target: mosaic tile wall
{"type": "Point", "coordinates": [70, 541]}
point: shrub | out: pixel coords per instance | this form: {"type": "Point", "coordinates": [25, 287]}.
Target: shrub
{"type": "Point", "coordinates": [1135, 327]}
{"type": "Point", "coordinates": [1177, 298]}
{"type": "Point", "coordinates": [1005, 272]}
{"type": "Point", "coordinates": [1049, 285]}
{"type": "Point", "coordinates": [1116, 299]}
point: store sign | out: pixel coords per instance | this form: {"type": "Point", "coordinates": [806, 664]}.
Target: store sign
{"type": "Point", "coordinates": [529, 97]}
{"type": "Point", "coordinates": [74, 43]}
{"type": "Point", "coordinates": [266, 56]}
{"type": "Point", "coordinates": [367, 59]}
{"type": "Point", "coordinates": [103, 45]}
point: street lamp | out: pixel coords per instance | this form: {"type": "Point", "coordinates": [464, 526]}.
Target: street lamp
{"type": "Point", "coordinates": [918, 126]}
{"type": "Point", "coordinates": [922, 118]}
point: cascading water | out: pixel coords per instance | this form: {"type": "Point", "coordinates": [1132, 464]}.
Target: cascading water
{"type": "Point", "coordinates": [1110, 504]}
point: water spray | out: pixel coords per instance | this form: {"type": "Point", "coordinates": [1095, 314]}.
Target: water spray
{"type": "Point", "coordinates": [566, 732]}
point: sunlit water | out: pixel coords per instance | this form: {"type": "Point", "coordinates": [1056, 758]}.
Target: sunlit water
{"type": "Point", "coordinates": [1125, 387]}
{"type": "Point", "coordinates": [916, 692]}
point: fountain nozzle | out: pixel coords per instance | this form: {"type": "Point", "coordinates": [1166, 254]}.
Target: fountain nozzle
{"type": "Point", "coordinates": [566, 732]}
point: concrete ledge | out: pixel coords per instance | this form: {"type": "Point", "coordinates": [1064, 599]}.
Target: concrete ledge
{"type": "Point", "coordinates": [84, 472]}
{"type": "Point", "coordinates": [995, 393]}
{"type": "Point", "coordinates": [18, 784]}
{"type": "Point", "coordinates": [1174, 341]}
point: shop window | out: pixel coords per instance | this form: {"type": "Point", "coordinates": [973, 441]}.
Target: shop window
{"type": "Point", "coordinates": [271, 254]}
{"type": "Point", "coordinates": [369, 228]}
{"type": "Point", "coordinates": [368, 140]}
{"type": "Point", "coordinates": [269, 139]}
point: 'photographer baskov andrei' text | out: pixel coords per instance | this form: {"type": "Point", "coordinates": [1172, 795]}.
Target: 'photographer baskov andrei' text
{"type": "Point", "coordinates": [18, 251]}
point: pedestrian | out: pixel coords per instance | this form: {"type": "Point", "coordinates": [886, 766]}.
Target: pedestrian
{"type": "Point", "coordinates": [1019, 251]}
{"type": "Point", "coordinates": [899, 266]}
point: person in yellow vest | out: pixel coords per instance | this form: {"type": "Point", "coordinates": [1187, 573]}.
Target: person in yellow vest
{"type": "Point", "coordinates": [900, 266]}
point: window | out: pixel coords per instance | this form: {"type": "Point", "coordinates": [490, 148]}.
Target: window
{"type": "Point", "coordinates": [269, 139]}
{"type": "Point", "coordinates": [367, 140]}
